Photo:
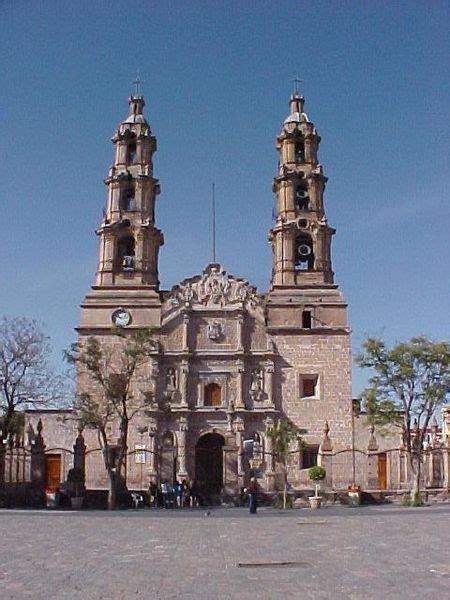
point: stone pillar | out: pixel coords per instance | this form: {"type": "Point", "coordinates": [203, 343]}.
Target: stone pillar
{"type": "Point", "coordinates": [239, 429]}
{"type": "Point", "coordinates": [184, 371]}
{"type": "Point", "coordinates": [200, 399]}
{"type": "Point", "coordinates": [182, 429]}
{"type": "Point", "coordinates": [152, 429]}
{"type": "Point", "coordinates": [372, 461]}
{"type": "Point", "coordinates": [268, 456]}
{"type": "Point", "coordinates": [325, 455]}
{"type": "Point", "coordinates": [79, 451]}
{"type": "Point", "coordinates": [269, 374]}
{"type": "Point", "coordinates": [446, 446]}
{"type": "Point", "coordinates": [38, 457]}
{"type": "Point", "coordinates": [185, 344]}
{"type": "Point", "coordinates": [239, 385]}
{"type": "Point", "coordinates": [240, 330]}
{"type": "Point", "coordinates": [434, 464]}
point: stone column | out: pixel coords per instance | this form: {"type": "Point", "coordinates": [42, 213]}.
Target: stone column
{"type": "Point", "coordinates": [240, 329]}
{"type": "Point", "coordinates": [185, 345]}
{"type": "Point", "coordinates": [268, 456]}
{"type": "Point", "coordinates": [139, 254]}
{"type": "Point", "coordinates": [184, 371]}
{"type": "Point", "coordinates": [325, 458]}
{"type": "Point", "coordinates": [239, 429]}
{"type": "Point", "coordinates": [38, 457]}
{"type": "Point", "coordinates": [79, 451]}
{"type": "Point", "coordinates": [200, 399]}
{"type": "Point", "coordinates": [152, 429]}
{"type": "Point", "coordinates": [269, 373]}
{"type": "Point", "coordinates": [155, 380]}
{"type": "Point", "coordinates": [446, 446]}
{"type": "Point", "coordinates": [182, 429]}
{"type": "Point", "coordinates": [240, 405]}
{"type": "Point", "coordinates": [434, 473]}
{"type": "Point", "coordinates": [372, 461]}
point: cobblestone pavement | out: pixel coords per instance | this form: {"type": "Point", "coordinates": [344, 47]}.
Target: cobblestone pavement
{"type": "Point", "coordinates": [337, 552]}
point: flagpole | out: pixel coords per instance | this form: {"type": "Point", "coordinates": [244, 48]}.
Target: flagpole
{"type": "Point", "coordinates": [214, 222]}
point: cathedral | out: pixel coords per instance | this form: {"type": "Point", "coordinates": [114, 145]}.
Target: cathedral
{"type": "Point", "coordinates": [230, 360]}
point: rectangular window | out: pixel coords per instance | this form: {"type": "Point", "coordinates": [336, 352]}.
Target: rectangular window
{"type": "Point", "coordinates": [309, 456]}
{"type": "Point", "coordinates": [309, 386]}
{"type": "Point", "coordinates": [306, 319]}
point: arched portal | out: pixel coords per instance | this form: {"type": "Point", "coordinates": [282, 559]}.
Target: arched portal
{"type": "Point", "coordinates": [209, 467]}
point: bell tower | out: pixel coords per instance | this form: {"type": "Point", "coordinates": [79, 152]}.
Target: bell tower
{"type": "Point", "coordinates": [129, 242]}
{"type": "Point", "coordinates": [302, 276]}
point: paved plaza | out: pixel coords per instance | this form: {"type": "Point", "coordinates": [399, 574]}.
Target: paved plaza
{"type": "Point", "coordinates": [337, 552]}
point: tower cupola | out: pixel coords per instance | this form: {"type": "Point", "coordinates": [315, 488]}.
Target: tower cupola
{"type": "Point", "coordinates": [129, 239]}
{"type": "Point", "coordinates": [301, 237]}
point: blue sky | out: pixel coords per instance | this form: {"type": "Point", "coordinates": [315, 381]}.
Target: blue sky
{"type": "Point", "coordinates": [217, 78]}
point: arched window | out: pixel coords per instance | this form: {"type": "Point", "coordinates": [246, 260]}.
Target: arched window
{"type": "Point", "coordinates": [131, 153]}
{"type": "Point", "coordinates": [299, 150]}
{"type": "Point", "coordinates": [127, 199]}
{"type": "Point", "coordinates": [125, 254]}
{"type": "Point", "coordinates": [213, 395]}
{"type": "Point", "coordinates": [304, 253]}
{"type": "Point", "coordinates": [301, 198]}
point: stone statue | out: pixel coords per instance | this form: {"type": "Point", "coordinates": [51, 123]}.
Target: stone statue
{"type": "Point", "coordinates": [256, 387]}
{"type": "Point", "coordinates": [171, 379]}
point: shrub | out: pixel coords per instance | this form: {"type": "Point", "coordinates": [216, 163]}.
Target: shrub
{"type": "Point", "coordinates": [316, 473]}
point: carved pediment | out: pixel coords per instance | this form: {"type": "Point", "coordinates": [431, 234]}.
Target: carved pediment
{"type": "Point", "coordinates": [213, 289]}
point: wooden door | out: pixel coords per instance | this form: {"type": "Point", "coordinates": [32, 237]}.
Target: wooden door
{"type": "Point", "coordinates": [52, 471]}
{"type": "Point", "coordinates": [213, 395]}
{"type": "Point", "coordinates": [382, 471]}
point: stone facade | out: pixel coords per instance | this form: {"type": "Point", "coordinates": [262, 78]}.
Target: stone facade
{"type": "Point", "coordinates": [229, 361]}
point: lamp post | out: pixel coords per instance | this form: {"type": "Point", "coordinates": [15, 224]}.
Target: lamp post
{"type": "Point", "coordinates": [141, 430]}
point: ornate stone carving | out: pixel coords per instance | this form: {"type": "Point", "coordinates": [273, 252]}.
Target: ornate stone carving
{"type": "Point", "coordinates": [215, 330]}
{"type": "Point", "coordinates": [215, 288]}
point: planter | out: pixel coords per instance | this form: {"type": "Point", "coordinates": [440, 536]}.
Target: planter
{"type": "Point", "coordinates": [51, 499]}
{"type": "Point", "coordinates": [315, 502]}
{"type": "Point", "coordinates": [77, 502]}
{"type": "Point", "coordinates": [354, 495]}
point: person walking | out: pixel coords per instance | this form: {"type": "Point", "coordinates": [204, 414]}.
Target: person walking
{"type": "Point", "coordinates": [252, 494]}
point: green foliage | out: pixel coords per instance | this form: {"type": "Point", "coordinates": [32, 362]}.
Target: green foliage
{"type": "Point", "coordinates": [317, 473]}
{"type": "Point", "coordinates": [282, 435]}
{"type": "Point", "coordinates": [409, 383]}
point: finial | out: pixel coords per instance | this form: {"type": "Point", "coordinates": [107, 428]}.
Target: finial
{"type": "Point", "coordinates": [296, 81]}
{"type": "Point", "coordinates": [137, 82]}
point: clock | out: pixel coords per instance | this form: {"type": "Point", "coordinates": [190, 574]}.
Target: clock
{"type": "Point", "coordinates": [121, 317]}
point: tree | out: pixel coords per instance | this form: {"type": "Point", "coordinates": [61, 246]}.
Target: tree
{"type": "Point", "coordinates": [26, 378]}
{"type": "Point", "coordinates": [108, 393]}
{"type": "Point", "coordinates": [410, 383]}
{"type": "Point", "coordinates": [282, 435]}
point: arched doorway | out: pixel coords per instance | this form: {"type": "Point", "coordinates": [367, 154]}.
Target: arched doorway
{"type": "Point", "coordinates": [209, 467]}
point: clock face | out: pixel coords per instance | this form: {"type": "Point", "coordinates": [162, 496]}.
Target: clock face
{"type": "Point", "coordinates": [304, 250]}
{"type": "Point", "coordinates": [121, 317]}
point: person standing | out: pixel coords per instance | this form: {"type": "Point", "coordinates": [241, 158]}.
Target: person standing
{"type": "Point", "coordinates": [165, 493]}
{"type": "Point", "coordinates": [252, 494]}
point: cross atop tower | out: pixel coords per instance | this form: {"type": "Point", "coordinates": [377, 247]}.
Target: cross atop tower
{"type": "Point", "coordinates": [296, 81]}
{"type": "Point", "coordinates": [137, 82]}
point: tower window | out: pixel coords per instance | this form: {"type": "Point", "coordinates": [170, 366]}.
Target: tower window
{"type": "Point", "coordinates": [304, 253]}
{"type": "Point", "coordinates": [125, 254]}
{"type": "Point", "coordinates": [131, 153]}
{"type": "Point", "coordinates": [301, 198]}
{"type": "Point", "coordinates": [299, 151]}
{"type": "Point", "coordinates": [128, 201]}
{"type": "Point", "coordinates": [306, 319]}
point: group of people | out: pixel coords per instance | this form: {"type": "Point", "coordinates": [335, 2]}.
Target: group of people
{"type": "Point", "coordinates": [183, 494]}
{"type": "Point", "coordinates": [180, 494]}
